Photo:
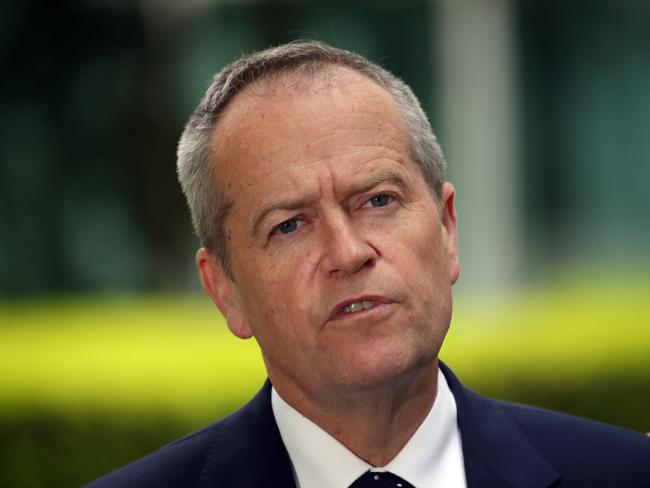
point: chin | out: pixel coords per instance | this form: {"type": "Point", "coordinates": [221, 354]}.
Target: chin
{"type": "Point", "coordinates": [381, 370]}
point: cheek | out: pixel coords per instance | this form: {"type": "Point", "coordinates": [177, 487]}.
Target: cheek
{"type": "Point", "coordinates": [429, 249]}
{"type": "Point", "coordinates": [277, 290]}
{"type": "Point", "coordinates": [424, 269]}
{"type": "Point", "coordinates": [418, 247]}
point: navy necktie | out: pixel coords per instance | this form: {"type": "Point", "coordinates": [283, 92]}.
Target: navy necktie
{"type": "Point", "coordinates": [372, 479]}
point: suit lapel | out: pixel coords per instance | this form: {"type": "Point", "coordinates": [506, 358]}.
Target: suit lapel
{"type": "Point", "coordinates": [255, 455]}
{"type": "Point", "coordinates": [497, 454]}
{"type": "Point", "coordinates": [496, 451]}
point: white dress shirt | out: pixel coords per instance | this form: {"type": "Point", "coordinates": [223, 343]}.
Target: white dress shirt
{"type": "Point", "coordinates": [433, 456]}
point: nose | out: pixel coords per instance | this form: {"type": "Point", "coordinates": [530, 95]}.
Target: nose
{"type": "Point", "coordinates": [346, 248]}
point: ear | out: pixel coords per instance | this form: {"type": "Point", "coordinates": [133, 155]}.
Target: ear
{"type": "Point", "coordinates": [449, 230]}
{"type": "Point", "coordinates": [224, 292]}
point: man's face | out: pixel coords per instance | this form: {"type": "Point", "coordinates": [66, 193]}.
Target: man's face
{"type": "Point", "coordinates": [342, 262]}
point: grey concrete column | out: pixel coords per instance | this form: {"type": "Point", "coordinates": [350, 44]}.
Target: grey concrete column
{"type": "Point", "coordinates": [479, 103]}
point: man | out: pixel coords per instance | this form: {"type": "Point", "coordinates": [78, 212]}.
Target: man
{"type": "Point", "coordinates": [329, 235]}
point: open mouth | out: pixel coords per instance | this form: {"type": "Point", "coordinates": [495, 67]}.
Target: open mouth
{"type": "Point", "coordinates": [357, 306]}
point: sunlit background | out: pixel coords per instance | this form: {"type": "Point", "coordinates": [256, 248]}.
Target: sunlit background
{"type": "Point", "coordinates": [107, 347]}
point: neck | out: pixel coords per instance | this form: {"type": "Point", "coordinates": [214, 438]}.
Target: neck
{"type": "Point", "coordinates": [375, 423]}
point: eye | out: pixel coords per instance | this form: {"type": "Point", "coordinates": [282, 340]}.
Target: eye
{"type": "Point", "coordinates": [287, 227]}
{"type": "Point", "coordinates": [379, 200]}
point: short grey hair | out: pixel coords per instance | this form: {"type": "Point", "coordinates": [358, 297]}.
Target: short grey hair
{"type": "Point", "coordinates": [196, 170]}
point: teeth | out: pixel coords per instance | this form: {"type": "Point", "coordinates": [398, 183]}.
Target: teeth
{"type": "Point", "coordinates": [359, 306]}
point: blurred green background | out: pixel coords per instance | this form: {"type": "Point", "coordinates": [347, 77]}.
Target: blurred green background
{"type": "Point", "coordinates": [107, 347]}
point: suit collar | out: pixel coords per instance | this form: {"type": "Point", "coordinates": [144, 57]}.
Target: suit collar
{"type": "Point", "coordinates": [496, 451]}
{"type": "Point", "coordinates": [247, 450]}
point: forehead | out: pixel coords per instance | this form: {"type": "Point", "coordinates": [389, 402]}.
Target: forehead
{"type": "Point", "coordinates": [284, 111]}
{"type": "Point", "coordinates": [292, 138]}
{"type": "Point", "coordinates": [276, 90]}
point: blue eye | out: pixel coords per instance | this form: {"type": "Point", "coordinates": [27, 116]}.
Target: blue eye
{"type": "Point", "coordinates": [380, 200]}
{"type": "Point", "coordinates": [288, 226]}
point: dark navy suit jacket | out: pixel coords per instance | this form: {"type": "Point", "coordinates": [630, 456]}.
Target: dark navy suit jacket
{"type": "Point", "coordinates": [504, 445]}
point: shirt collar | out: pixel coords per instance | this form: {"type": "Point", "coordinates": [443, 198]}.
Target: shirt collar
{"type": "Point", "coordinates": [432, 457]}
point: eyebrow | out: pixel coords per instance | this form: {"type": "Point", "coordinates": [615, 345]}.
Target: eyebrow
{"type": "Point", "coordinates": [296, 204]}
{"type": "Point", "coordinates": [287, 204]}
{"type": "Point", "coordinates": [378, 179]}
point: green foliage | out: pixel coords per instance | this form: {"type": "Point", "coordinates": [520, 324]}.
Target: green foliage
{"type": "Point", "coordinates": [46, 449]}
{"type": "Point", "coordinates": [88, 384]}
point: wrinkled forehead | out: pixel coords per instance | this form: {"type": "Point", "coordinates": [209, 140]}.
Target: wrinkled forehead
{"type": "Point", "coordinates": [272, 99]}
{"type": "Point", "coordinates": [292, 121]}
